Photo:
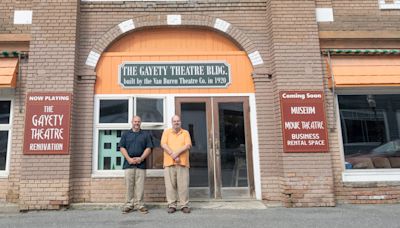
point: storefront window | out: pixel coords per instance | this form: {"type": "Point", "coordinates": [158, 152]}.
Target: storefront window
{"type": "Point", "coordinates": [370, 131]}
{"type": "Point", "coordinates": [5, 126]}
{"type": "Point", "coordinates": [114, 120]}
{"type": "Point", "coordinates": [113, 111]}
{"type": "Point", "coordinates": [150, 110]}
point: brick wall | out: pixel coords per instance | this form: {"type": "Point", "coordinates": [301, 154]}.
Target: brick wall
{"type": "Point", "coordinates": [270, 160]}
{"type": "Point", "coordinates": [112, 190]}
{"type": "Point", "coordinates": [45, 179]}
{"type": "Point", "coordinates": [81, 164]}
{"type": "Point", "coordinates": [368, 193]}
{"type": "Point", "coordinates": [296, 65]}
{"type": "Point", "coordinates": [99, 18]}
{"type": "Point", "coordinates": [7, 8]}
{"type": "Point", "coordinates": [361, 15]}
{"type": "Point", "coordinates": [323, 3]}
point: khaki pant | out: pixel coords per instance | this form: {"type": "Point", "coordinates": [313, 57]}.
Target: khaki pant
{"type": "Point", "coordinates": [134, 183]}
{"type": "Point", "coordinates": [177, 185]}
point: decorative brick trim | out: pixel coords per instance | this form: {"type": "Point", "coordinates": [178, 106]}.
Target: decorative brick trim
{"type": "Point", "coordinates": [126, 26]}
{"type": "Point", "coordinates": [174, 19]}
{"type": "Point", "coordinates": [221, 25]}
{"type": "Point", "coordinates": [92, 59]}
{"type": "Point", "coordinates": [213, 23]}
{"type": "Point", "coordinates": [255, 58]}
{"type": "Point", "coordinates": [395, 4]}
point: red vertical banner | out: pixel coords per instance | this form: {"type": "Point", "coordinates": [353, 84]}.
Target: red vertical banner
{"type": "Point", "coordinates": [303, 121]}
{"type": "Point", "coordinates": [47, 123]}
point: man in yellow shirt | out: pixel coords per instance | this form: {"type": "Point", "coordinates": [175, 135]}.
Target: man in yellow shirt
{"type": "Point", "coordinates": [176, 144]}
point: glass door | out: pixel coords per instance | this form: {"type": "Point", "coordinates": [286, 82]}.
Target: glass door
{"type": "Point", "coordinates": [233, 147]}
{"type": "Point", "coordinates": [196, 119]}
{"type": "Point", "coordinates": [220, 159]}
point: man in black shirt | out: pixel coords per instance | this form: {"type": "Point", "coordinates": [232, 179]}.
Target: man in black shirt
{"type": "Point", "coordinates": [135, 146]}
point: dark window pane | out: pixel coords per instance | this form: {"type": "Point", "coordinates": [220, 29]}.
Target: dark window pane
{"type": "Point", "coordinates": [194, 119]}
{"type": "Point", "coordinates": [107, 163]}
{"type": "Point", "coordinates": [191, 132]}
{"type": "Point", "coordinates": [114, 111]}
{"type": "Point", "coordinates": [233, 145]}
{"type": "Point", "coordinates": [118, 161]}
{"type": "Point", "coordinates": [375, 131]}
{"type": "Point", "coordinates": [370, 130]}
{"type": "Point", "coordinates": [5, 108]}
{"type": "Point", "coordinates": [3, 149]}
{"type": "Point", "coordinates": [354, 131]}
{"type": "Point", "coordinates": [150, 110]}
{"type": "Point", "coordinates": [107, 145]}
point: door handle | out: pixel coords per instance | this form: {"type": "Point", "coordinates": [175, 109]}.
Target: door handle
{"type": "Point", "coordinates": [210, 141]}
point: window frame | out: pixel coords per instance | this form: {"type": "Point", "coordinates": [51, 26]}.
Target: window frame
{"type": "Point", "coordinates": [152, 124]}
{"type": "Point", "coordinates": [97, 111]}
{"type": "Point", "coordinates": [122, 126]}
{"type": "Point", "coordinates": [362, 175]}
{"type": "Point", "coordinates": [8, 127]}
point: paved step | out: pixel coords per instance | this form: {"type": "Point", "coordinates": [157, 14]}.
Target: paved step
{"type": "Point", "coordinates": [253, 204]}
{"type": "Point", "coordinates": [6, 208]}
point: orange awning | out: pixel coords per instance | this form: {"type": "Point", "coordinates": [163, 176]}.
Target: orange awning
{"type": "Point", "coordinates": [8, 72]}
{"type": "Point", "coordinates": [364, 71]}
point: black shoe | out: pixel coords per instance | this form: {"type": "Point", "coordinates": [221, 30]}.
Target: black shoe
{"type": "Point", "coordinates": [143, 210]}
{"type": "Point", "coordinates": [171, 210]}
{"type": "Point", "coordinates": [126, 210]}
{"type": "Point", "coordinates": [185, 210]}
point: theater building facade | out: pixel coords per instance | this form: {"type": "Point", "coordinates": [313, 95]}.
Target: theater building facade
{"type": "Point", "coordinates": [292, 103]}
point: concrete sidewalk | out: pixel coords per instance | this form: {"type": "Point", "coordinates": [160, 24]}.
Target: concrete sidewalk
{"type": "Point", "coordinates": [244, 204]}
{"type": "Point", "coordinates": [8, 208]}
{"type": "Point", "coordinates": [343, 216]}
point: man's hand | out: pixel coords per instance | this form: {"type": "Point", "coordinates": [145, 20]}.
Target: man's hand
{"type": "Point", "coordinates": [176, 157]}
{"type": "Point", "coordinates": [138, 160]}
{"type": "Point", "coordinates": [132, 161]}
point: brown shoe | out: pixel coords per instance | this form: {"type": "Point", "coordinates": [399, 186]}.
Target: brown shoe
{"type": "Point", "coordinates": [185, 210]}
{"type": "Point", "coordinates": [171, 210]}
{"type": "Point", "coordinates": [143, 210]}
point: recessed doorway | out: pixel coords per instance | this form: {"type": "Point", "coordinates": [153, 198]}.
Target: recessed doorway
{"type": "Point", "coordinates": [221, 156]}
